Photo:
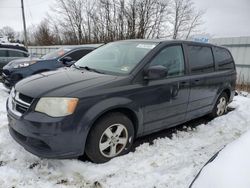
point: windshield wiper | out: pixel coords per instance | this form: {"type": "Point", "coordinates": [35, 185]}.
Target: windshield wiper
{"type": "Point", "coordinates": [88, 69]}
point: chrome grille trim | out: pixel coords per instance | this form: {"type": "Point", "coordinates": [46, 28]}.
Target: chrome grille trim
{"type": "Point", "coordinates": [17, 99]}
{"type": "Point", "coordinates": [14, 102]}
{"type": "Point", "coordinates": [12, 108]}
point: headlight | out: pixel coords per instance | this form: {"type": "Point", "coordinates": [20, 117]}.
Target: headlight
{"type": "Point", "coordinates": [24, 64]}
{"type": "Point", "coordinates": [56, 107]}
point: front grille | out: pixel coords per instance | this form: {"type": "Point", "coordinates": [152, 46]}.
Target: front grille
{"type": "Point", "coordinates": [19, 103]}
{"type": "Point", "coordinates": [21, 108]}
{"type": "Point", "coordinates": [25, 98]}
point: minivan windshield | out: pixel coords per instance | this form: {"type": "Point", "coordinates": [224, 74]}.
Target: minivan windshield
{"type": "Point", "coordinates": [55, 54]}
{"type": "Point", "coordinates": [117, 57]}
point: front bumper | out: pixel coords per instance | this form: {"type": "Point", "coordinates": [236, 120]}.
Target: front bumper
{"type": "Point", "coordinates": [45, 136]}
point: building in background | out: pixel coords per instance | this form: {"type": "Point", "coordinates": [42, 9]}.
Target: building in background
{"type": "Point", "coordinates": [240, 49]}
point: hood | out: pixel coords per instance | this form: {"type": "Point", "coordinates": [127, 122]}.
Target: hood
{"type": "Point", "coordinates": [22, 60]}
{"type": "Point", "coordinates": [61, 82]}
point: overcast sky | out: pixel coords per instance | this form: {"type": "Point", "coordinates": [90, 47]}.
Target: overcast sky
{"type": "Point", "coordinates": [223, 18]}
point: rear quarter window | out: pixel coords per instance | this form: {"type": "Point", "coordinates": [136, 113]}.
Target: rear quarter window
{"type": "Point", "coordinates": [223, 59]}
{"type": "Point", "coordinates": [200, 59]}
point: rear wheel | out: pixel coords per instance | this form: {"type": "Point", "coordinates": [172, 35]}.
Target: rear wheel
{"type": "Point", "coordinates": [220, 107]}
{"type": "Point", "coordinates": [110, 137]}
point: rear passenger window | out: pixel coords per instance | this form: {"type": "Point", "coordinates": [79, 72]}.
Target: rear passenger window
{"type": "Point", "coordinates": [223, 58]}
{"type": "Point", "coordinates": [16, 54]}
{"type": "Point", "coordinates": [171, 58]}
{"type": "Point", "coordinates": [200, 59]}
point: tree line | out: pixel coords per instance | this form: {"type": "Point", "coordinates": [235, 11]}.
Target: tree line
{"type": "Point", "coordinates": [96, 21]}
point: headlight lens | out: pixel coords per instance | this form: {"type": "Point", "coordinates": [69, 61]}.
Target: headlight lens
{"type": "Point", "coordinates": [56, 107]}
{"type": "Point", "coordinates": [24, 64]}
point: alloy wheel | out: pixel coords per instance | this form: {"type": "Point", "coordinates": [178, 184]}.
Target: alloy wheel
{"type": "Point", "coordinates": [113, 140]}
{"type": "Point", "coordinates": [221, 106]}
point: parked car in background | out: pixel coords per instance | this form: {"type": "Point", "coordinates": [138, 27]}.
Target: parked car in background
{"type": "Point", "coordinates": [10, 52]}
{"type": "Point", "coordinates": [16, 70]}
{"type": "Point", "coordinates": [16, 46]}
{"type": "Point", "coordinates": [119, 92]}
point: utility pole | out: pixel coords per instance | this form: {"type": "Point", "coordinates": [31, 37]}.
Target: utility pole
{"type": "Point", "coordinates": [24, 25]}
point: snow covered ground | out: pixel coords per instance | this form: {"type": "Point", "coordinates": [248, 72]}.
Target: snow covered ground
{"type": "Point", "coordinates": [168, 163]}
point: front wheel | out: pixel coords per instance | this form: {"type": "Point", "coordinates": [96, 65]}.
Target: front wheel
{"type": "Point", "coordinates": [220, 107]}
{"type": "Point", "coordinates": [110, 137]}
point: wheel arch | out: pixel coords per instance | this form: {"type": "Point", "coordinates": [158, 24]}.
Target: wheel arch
{"type": "Point", "coordinates": [122, 105]}
{"type": "Point", "coordinates": [228, 92]}
{"type": "Point", "coordinates": [227, 89]}
{"type": "Point", "coordinates": [123, 110]}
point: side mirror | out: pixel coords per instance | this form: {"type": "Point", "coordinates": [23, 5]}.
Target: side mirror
{"type": "Point", "coordinates": [67, 61]}
{"type": "Point", "coordinates": [156, 72]}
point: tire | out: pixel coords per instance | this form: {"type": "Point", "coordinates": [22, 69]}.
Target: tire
{"type": "Point", "coordinates": [220, 107]}
{"type": "Point", "coordinates": [111, 136]}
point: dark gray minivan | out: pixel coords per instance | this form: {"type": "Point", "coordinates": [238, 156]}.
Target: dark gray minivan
{"type": "Point", "coordinates": [121, 91]}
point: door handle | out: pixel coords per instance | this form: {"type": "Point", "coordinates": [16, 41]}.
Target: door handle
{"type": "Point", "coordinates": [197, 81]}
{"type": "Point", "coordinates": [184, 83]}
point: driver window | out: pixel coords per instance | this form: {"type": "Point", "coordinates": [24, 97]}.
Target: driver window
{"type": "Point", "coordinates": [78, 54]}
{"type": "Point", "coordinates": [171, 58]}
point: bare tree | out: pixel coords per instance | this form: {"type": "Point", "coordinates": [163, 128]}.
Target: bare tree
{"type": "Point", "coordinates": [9, 32]}
{"type": "Point", "coordinates": [43, 34]}
{"type": "Point", "coordinates": [88, 21]}
{"type": "Point", "coordinates": [195, 23]}
{"type": "Point", "coordinates": [185, 19]}
{"type": "Point", "coordinates": [71, 18]}
{"type": "Point", "coordinates": [95, 21]}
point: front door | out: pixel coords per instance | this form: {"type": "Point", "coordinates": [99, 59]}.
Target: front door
{"type": "Point", "coordinates": [167, 98]}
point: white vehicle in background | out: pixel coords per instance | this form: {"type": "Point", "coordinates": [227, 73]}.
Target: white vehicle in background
{"type": "Point", "coordinates": [4, 39]}
{"type": "Point", "coordinates": [229, 168]}
{"type": "Point", "coordinates": [12, 44]}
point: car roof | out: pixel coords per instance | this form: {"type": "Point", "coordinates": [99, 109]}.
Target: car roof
{"type": "Point", "coordinates": [10, 46]}
{"type": "Point", "coordinates": [171, 41]}
{"type": "Point", "coordinates": [82, 46]}
{"type": "Point", "coordinates": [13, 49]}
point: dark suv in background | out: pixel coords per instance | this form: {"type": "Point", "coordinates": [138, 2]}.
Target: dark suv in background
{"type": "Point", "coordinates": [117, 93]}
{"type": "Point", "coordinates": [16, 70]}
{"type": "Point", "coordinates": [11, 52]}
